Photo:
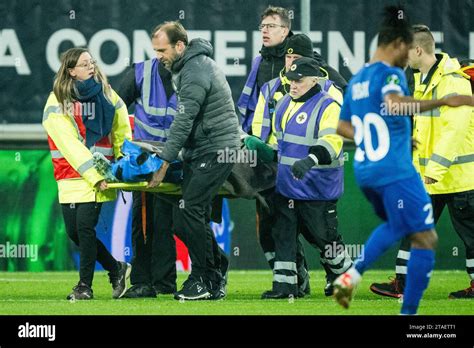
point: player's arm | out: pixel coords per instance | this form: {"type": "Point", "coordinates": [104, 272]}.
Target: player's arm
{"type": "Point", "coordinates": [453, 132]}
{"type": "Point", "coordinates": [397, 102]}
{"type": "Point", "coordinates": [344, 127]}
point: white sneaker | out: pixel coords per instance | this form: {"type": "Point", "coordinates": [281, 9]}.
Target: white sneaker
{"type": "Point", "coordinates": [344, 287]}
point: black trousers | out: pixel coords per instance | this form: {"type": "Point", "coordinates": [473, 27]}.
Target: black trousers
{"type": "Point", "coordinates": [202, 179]}
{"type": "Point", "coordinates": [80, 220]}
{"type": "Point", "coordinates": [220, 258]}
{"type": "Point", "coordinates": [320, 221]}
{"type": "Point", "coordinates": [265, 221]}
{"type": "Point", "coordinates": [461, 212]}
{"type": "Point", "coordinates": [153, 244]}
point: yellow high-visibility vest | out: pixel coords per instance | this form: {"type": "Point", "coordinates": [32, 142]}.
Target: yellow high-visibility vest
{"type": "Point", "coordinates": [446, 135]}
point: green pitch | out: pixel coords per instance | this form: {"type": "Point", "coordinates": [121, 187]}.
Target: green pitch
{"type": "Point", "coordinates": [45, 293]}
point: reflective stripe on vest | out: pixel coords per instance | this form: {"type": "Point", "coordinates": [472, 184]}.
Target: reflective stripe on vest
{"type": "Point", "coordinates": [268, 91]}
{"type": "Point", "coordinates": [249, 97]}
{"type": "Point", "coordinates": [162, 133]}
{"type": "Point", "coordinates": [445, 162]}
{"type": "Point", "coordinates": [62, 168]}
{"type": "Point", "coordinates": [308, 139]}
{"type": "Point", "coordinates": [53, 109]}
{"type": "Point", "coordinates": [322, 182]}
{"type": "Point", "coordinates": [154, 112]}
{"type": "Point", "coordinates": [106, 151]}
{"type": "Point", "coordinates": [325, 84]}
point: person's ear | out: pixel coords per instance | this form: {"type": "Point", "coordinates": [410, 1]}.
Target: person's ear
{"type": "Point", "coordinates": [419, 51]}
{"type": "Point", "coordinates": [180, 45]}
{"type": "Point", "coordinates": [72, 73]}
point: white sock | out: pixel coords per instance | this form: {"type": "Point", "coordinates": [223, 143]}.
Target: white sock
{"type": "Point", "coordinates": [355, 275]}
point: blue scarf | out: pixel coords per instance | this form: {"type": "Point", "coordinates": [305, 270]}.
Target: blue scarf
{"type": "Point", "coordinates": [97, 112]}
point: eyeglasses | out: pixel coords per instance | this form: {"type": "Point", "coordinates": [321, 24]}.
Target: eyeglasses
{"type": "Point", "coordinates": [270, 26]}
{"type": "Point", "coordinates": [86, 65]}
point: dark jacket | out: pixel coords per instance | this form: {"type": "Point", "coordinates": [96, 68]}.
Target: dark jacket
{"type": "Point", "coordinates": [205, 120]}
{"type": "Point", "coordinates": [333, 74]}
{"type": "Point", "coordinates": [274, 61]}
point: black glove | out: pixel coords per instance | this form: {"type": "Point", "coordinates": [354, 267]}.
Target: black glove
{"type": "Point", "coordinates": [301, 167]}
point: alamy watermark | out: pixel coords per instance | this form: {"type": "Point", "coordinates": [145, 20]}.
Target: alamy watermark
{"type": "Point", "coordinates": [399, 109]}
{"type": "Point", "coordinates": [28, 330]}
{"type": "Point", "coordinates": [86, 109]}
{"type": "Point", "coordinates": [19, 251]}
{"type": "Point", "coordinates": [237, 156]}
{"type": "Point", "coordinates": [335, 250]}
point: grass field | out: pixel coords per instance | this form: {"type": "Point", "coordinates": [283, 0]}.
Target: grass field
{"type": "Point", "coordinates": [45, 293]}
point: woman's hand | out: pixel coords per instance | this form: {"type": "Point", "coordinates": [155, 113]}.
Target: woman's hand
{"type": "Point", "coordinates": [101, 185]}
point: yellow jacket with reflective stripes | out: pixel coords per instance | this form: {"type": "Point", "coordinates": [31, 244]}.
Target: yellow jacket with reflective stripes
{"type": "Point", "coordinates": [257, 122]}
{"type": "Point", "coordinates": [327, 125]}
{"type": "Point", "coordinates": [62, 130]}
{"type": "Point", "coordinates": [446, 135]}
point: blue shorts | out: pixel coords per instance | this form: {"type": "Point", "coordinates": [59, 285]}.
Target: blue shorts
{"type": "Point", "coordinates": [404, 204]}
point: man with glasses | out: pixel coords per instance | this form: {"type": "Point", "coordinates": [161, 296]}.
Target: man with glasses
{"type": "Point", "coordinates": [275, 27]}
{"type": "Point", "coordinates": [276, 32]}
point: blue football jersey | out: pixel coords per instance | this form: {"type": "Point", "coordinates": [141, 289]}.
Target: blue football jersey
{"type": "Point", "coordinates": [383, 141]}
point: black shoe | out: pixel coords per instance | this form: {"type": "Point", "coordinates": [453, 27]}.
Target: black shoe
{"type": "Point", "coordinates": [392, 289]}
{"type": "Point", "coordinates": [193, 290]}
{"type": "Point", "coordinates": [329, 288]}
{"type": "Point", "coordinates": [218, 292]}
{"type": "Point", "coordinates": [140, 291]}
{"type": "Point", "coordinates": [119, 280]}
{"type": "Point", "coordinates": [275, 295]}
{"type": "Point", "coordinates": [463, 294]}
{"type": "Point", "coordinates": [81, 292]}
{"type": "Point", "coordinates": [165, 291]}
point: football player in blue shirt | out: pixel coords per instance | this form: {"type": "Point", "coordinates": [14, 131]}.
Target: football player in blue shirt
{"type": "Point", "coordinates": [375, 114]}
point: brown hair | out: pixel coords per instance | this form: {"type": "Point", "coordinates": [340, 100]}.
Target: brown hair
{"type": "Point", "coordinates": [424, 38]}
{"type": "Point", "coordinates": [174, 30]}
{"type": "Point", "coordinates": [64, 87]}
{"type": "Point", "coordinates": [280, 12]}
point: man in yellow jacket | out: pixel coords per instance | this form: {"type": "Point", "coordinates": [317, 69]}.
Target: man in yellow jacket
{"type": "Point", "coordinates": [444, 152]}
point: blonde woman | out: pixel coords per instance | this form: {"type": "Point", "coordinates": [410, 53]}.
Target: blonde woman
{"type": "Point", "coordinates": [84, 115]}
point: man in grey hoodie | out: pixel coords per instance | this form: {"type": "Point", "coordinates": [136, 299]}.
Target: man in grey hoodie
{"type": "Point", "coordinates": [204, 127]}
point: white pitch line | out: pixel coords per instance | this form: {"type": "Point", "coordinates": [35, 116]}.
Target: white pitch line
{"type": "Point", "coordinates": [23, 280]}
{"type": "Point", "coordinates": [26, 300]}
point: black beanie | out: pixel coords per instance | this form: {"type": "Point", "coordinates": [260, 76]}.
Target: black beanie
{"type": "Point", "coordinates": [299, 44]}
